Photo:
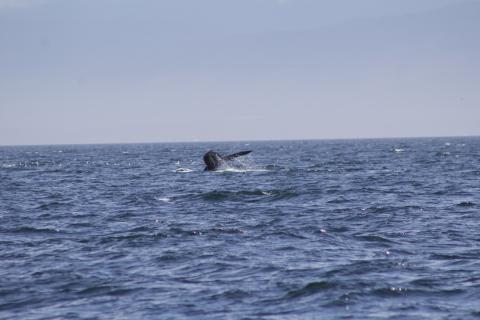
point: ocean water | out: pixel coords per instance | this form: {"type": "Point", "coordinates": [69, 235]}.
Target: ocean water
{"type": "Point", "coordinates": [359, 229]}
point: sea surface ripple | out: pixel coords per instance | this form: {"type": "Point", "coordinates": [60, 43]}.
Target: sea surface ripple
{"type": "Point", "coordinates": [340, 229]}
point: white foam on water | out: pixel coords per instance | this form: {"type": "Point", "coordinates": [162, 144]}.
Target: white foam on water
{"type": "Point", "coordinates": [240, 165]}
{"type": "Point", "coordinates": [239, 170]}
{"type": "Point", "coordinates": [164, 199]}
{"type": "Point", "coordinates": [183, 170]}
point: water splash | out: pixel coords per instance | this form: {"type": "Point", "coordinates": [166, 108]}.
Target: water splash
{"type": "Point", "coordinates": [242, 164]}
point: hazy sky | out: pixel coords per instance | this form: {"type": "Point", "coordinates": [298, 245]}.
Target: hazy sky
{"type": "Point", "coordinates": [99, 71]}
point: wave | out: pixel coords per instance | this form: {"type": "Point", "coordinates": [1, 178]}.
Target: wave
{"type": "Point", "coordinates": [50, 205]}
{"type": "Point", "coordinates": [375, 238]}
{"type": "Point", "coordinates": [246, 195]}
{"type": "Point", "coordinates": [225, 169]}
{"type": "Point", "coordinates": [253, 195]}
{"type": "Point", "coordinates": [241, 170]}
{"type": "Point", "coordinates": [466, 204]}
{"type": "Point", "coordinates": [33, 230]}
{"type": "Point", "coordinates": [311, 289]}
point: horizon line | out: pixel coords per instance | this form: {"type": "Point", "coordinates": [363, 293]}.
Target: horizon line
{"type": "Point", "coordinates": [236, 141]}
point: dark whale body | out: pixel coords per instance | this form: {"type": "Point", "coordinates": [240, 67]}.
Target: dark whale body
{"type": "Point", "coordinates": [213, 159]}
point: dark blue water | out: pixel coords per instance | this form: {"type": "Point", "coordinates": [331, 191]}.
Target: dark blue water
{"type": "Point", "coordinates": [378, 229]}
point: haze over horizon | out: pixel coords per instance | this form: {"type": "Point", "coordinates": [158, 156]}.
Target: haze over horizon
{"type": "Point", "coordinates": [214, 70]}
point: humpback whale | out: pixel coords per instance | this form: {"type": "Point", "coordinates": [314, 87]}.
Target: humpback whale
{"type": "Point", "coordinates": [213, 159]}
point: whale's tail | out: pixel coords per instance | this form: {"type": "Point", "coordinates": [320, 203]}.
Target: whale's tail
{"type": "Point", "coordinates": [238, 154]}
{"type": "Point", "coordinates": [213, 159]}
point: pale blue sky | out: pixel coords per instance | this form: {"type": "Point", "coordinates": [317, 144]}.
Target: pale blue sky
{"type": "Point", "coordinates": [99, 71]}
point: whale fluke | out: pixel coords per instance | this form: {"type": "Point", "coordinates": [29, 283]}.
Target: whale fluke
{"type": "Point", "coordinates": [238, 154]}
{"type": "Point", "coordinates": [213, 159]}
